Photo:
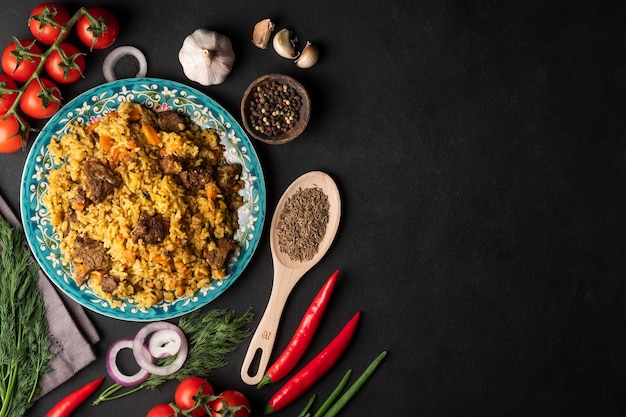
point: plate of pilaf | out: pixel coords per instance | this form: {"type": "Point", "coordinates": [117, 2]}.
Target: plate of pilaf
{"type": "Point", "coordinates": [143, 199]}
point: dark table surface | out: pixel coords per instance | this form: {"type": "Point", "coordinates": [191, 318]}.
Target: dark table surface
{"type": "Point", "coordinates": [480, 151]}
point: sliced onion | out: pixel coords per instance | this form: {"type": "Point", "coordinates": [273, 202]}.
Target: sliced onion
{"type": "Point", "coordinates": [147, 365]}
{"type": "Point", "coordinates": [114, 371]}
{"type": "Point", "coordinates": [165, 343]}
{"type": "Point", "coordinates": [108, 66]}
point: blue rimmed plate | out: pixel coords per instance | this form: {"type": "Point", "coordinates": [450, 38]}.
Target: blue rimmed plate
{"type": "Point", "coordinates": [156, 94]}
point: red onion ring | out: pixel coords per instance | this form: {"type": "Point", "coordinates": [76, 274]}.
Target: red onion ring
{"type": "Point", "coordinates": [114, 371]}
{"type": "Point", "coordinates": [142, 335]}
{"type": "Point", "coordinates": [108, 66]}
{"type": "Point", "coordinates": [164, 343]}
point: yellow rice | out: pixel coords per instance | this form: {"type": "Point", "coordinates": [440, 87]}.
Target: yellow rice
{"type": "Point", "coordinates": [146, 273]}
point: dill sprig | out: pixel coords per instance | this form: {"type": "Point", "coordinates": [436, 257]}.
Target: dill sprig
{"type": "Point", "coordinates": [210, 335]}
{"type": "Point", "coordinates": [24, 343]}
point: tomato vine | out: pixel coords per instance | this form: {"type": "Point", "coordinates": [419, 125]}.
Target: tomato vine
{"type": "Point", "coordinates": [26, 53]}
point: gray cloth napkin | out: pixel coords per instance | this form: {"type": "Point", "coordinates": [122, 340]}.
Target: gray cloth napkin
{"type": "Point", "coordinates": [71, 332]}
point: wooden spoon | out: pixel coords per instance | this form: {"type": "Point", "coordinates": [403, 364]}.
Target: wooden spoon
{"type": "Point", "coordinates": [288, 272]}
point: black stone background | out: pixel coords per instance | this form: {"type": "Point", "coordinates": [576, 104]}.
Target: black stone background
{"type": "Point", "coordinates": [480, 151]}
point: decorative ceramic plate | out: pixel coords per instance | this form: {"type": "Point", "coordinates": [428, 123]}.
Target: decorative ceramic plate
{"type": "Point", "coordinates": [158, 95]}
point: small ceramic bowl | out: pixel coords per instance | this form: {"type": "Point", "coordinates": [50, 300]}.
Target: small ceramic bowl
{"type": "Point", "coordinates": [275, 109]}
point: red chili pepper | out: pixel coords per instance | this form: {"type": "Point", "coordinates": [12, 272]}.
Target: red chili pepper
{"type": "Point", "coordinates": [314, 370]}
{"type": "Point", "coordinates": [67, 405]}
{"type": "Point", "coordinates": [302, 336]}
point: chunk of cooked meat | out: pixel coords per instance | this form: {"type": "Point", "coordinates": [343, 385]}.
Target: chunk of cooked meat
{"type": "Point", "coordinates": [150, 229]}
{"type": "Point", "coordinates": [228, 175]}
{"type": "Point", "coordinates": [109, 283]}
{"type": "Point", "coordinates": [70, 218]}
{"type": "Point", "coordinates": [170, 121]}
{"type": "Point", "coordinates": [100, 180]}
{"type": "Point", "coordinates": [88, 255]}
{"type": "Point", "coordinates": [79, 200]}
{"type": "Point", "coordinates": [195, 178]}
{"type": "Point", "coordinates": [171, 164]}
{"type": "Point", "coordinates": [217, 257]}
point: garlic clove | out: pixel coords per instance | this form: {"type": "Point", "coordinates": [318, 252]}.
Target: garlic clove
{"type": "Point", "coordinates": [309, 56]}
{"type": "Point", "coordinates": [262, 33]}
{"type": "Point", "coordinates": [284, 44]}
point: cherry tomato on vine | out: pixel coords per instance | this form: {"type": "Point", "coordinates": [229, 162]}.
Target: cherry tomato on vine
{"type": "Point", "coordinates": [38, 102]}
{"type": "Point", "coordinates": [100, 34]}
{"type": "Point", "coordinates": [229, 399]}
{"type": "Point", "coordinates": [69, 70]}
{"type": "Point", "coordinates": [10, 139]}
{"type": "Point", "coordinates": [161, 410]}
{"type": "Point", "coordinates": [18, 63]}
{"type": "Point", "coordinates": [42, 22]}
{"type": "Point", "coordinates": [7, 99]}
{"type": "Point", "coordinates": [189, 388]}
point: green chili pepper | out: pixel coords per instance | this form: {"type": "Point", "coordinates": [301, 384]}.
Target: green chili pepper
{"type": "Point", "coordinates": [354, 388]}
{"type": "Point", "coordinates": [333, 395]}
{"type": "Point", "coordinates": [307, 407]}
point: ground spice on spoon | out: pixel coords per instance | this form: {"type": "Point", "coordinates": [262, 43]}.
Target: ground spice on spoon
{"type": "Point", "coordinates": [302, 223]}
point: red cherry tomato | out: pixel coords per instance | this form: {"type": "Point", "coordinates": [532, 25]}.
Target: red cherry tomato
{"type": "Point", "coordinates": [189, 388]}
{"type": "Point", "coordinates": [234, 401]}
{"type": "Point", "coordinates": [20, 68]}
{"type": "Point", "coordinates": [7, 99]}
{"type": "Point", "coordinates": [10, 139]}
{"type": "Point", "coordinates": [161, 410]}
{"type": "Point", "coordinates": [34, 103]}
{"type": "Point", "coordinates": [69, 70]}
{"type": "Point", "coordinates": [101, 34]}
{"type": "Point", "coordinates": [41, 22]}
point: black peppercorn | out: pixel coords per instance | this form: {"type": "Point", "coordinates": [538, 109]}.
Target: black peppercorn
{"type": "Point", "coordinates": [274, 108]}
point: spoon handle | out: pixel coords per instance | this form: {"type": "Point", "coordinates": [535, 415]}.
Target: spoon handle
{"type": "Point", "coordinates": [262, 341]}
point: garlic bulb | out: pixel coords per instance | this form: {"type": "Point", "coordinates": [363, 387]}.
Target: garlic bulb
{"type": "Point", "coordinates": [284, 45]}
{"type": "Point", "coordinates": [207, 57]}
{"type": "Point", "coordinates": [309, 56]}
{"type": "Point", "coordinates": [262, 32]}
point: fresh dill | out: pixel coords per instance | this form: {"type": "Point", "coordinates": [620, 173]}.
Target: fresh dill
{"type": "Point", "coordinates": [211, 336]}
{"type": "Point", "coordinates": [24, 343]}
